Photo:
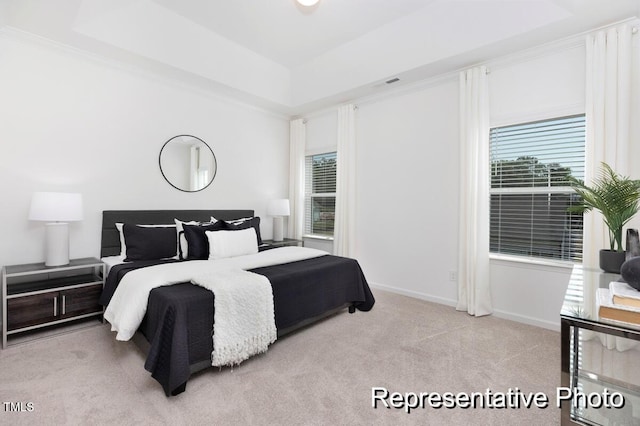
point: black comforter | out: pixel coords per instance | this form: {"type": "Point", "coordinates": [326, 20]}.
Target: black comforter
{"type": "Point", "coordinates": [179, 319]}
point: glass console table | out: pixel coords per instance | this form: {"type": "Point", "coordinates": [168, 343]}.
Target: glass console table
{"type": "Point", "coordinates": [598, 356]}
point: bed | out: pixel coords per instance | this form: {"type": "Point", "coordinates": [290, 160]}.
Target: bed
{"type": "Point", "coordinates": [177, 326]}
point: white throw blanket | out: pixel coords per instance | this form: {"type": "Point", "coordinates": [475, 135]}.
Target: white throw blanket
{"type": "Point", "coordinates": [129, 302]}
{"type": "Point", "coordinates": [244, 322]}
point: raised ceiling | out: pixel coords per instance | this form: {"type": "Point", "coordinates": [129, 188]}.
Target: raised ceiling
{"type": "Point", "coordinates": [282, 56]}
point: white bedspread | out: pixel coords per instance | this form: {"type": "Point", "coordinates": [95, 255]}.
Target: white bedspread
{"type": "Point", "coordinates": [129, 302]}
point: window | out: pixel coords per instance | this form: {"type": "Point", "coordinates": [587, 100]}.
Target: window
{"type": "Point", "coordinates": [320, 194]}
{"type": "Point", "coordinates": [529, 191]}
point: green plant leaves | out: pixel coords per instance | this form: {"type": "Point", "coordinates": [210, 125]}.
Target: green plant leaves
{"type": "Point", "coordinates": [615, 196]}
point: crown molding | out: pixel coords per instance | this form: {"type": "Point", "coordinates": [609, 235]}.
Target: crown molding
{"type": "Point", "coordinates": [22, 36]}
{"type": "Point", "coordinates": [575, 41]}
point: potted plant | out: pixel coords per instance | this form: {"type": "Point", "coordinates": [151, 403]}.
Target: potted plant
{"type": "Point", "coordinates": [616, 197]}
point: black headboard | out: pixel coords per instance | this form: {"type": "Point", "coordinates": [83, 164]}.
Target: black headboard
{"type": "Point", "coordinates": [110, 243]}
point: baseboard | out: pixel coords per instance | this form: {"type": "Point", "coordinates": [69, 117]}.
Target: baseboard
{"type": "Point", "coordinates": [549, 325]}
{"type": "Point", "coordinates": [415, 294]}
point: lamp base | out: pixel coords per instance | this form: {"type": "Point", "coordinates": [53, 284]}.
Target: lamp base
{"type": "Point", "coordinates": [277, 228]}
{"type": "Point", "coordinates": [56, 244]}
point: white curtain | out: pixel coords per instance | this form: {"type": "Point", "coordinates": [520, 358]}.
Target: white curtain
{"type": "Point", "coordinates": [343, 236]}
{"type": "Point", "coordinates": [474, 287]}
{"type": "Point", "coordinates": [297, 142]}
{"type": "Point", "coordinates": [608, 112]}
{"type": "Point", "coordinates": [608, 118]}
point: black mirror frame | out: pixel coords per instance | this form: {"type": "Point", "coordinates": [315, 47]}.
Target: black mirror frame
{"type": "Point", "coordinates": [215, 160]}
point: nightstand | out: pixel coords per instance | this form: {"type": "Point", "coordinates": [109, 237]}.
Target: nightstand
{"type": "Point", "coordinates": [36, 296]}
{"type": "Point", "coordinates": [269, 244]}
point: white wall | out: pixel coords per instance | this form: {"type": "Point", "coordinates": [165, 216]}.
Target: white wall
{"type": "Point", "coordinates": [322, 132]}
{"type": "Point", "coordinates": [407, 180]}
{"type": "Point", "coordinates": [73, 123]}
{"type": "Point", "coordinates": [543, 86]}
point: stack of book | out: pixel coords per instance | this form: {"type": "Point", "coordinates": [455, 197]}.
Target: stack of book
{"type": "Point", "coordinates": [619, 302]}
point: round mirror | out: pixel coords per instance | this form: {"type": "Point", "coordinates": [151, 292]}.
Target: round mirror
{"type": "Point", "coordinates": [187, 163]}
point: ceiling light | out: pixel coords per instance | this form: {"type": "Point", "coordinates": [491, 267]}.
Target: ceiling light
{"type": "Point", "coordinates": [308, 2]}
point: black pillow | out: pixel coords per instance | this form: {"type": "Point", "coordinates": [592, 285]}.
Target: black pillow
{"type": "Point", "coordinates": [149, 243]}
{"type": "Point", "coordinates": [254, 222]}
{"type": "Point", "coordinates": [197, 241]}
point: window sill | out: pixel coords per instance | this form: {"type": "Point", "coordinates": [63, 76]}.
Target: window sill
{"type": "Point", "coordinates": [529, 261]}
{"type": "Point", "coordinates": [317, 237]}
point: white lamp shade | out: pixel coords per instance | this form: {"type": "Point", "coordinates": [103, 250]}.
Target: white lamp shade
{"type": "Point", "coordinates": [278, 208]}
{"type": "Point", "coordinates": [56, 207]}
{"type": "Point", "coordinates": [308, 2]}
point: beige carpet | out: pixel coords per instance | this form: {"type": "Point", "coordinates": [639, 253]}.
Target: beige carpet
{"type": "Point", "coordinates": [322, 374]}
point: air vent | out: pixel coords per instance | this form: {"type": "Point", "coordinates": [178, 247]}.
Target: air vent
{"type": "Point", "coordinates": [393, 80]}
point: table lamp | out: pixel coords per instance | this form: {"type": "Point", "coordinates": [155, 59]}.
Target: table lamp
{"type": "Point", "coordinates": [57, 209]}
{"type": "Point", "coordinates": [278, 209]}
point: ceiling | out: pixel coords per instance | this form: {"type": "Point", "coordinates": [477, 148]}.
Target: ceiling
{"type": "Point", "coordinates": [291, 59]}
{"type": "Point", "coordinates": [290, 34]}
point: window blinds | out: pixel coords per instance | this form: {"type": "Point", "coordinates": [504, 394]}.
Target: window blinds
{"type": "Point", "coordinates": [530, 193]}
{"type": "Point", "coordinates": [320, 193]}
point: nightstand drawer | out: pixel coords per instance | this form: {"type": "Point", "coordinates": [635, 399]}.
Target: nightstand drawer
{"type": "Point", "coordinates": [33, 310]}
{"type": "Point", "coordinates": [80, 301]}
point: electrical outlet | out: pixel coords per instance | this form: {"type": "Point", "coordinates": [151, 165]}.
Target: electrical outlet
{"type": "Point", "coordinates": [453, 276]}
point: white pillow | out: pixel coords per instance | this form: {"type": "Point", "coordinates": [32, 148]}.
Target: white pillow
{"type": "Point", "coordinates": [231, 243]}
{"type": "Point", "coordinates": [123, 243]}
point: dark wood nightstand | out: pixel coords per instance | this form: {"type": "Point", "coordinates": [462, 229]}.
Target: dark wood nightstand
{"type": "Point", "coordinates": [269, 244]}
{"type": "Point", "coordinates": [36, 296]}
